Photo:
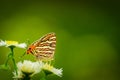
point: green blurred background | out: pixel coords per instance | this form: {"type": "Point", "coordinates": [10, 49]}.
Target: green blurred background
{"type": "Point", "coordinates": [88, 35]}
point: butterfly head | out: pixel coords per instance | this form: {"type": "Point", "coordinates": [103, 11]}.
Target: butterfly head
{"type": "Point", "coordinates": [30, 49]}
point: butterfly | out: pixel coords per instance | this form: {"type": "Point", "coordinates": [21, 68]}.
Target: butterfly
{"type": "Point", "coordinates": [43, 48]}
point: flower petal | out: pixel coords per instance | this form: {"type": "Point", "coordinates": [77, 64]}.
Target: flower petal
{"type": "Point", "coordinates": [2, 43]}
{"type": "Point", "coordinates": [58, 72]}
{"type": "Point", "coordinates": [22, 45]}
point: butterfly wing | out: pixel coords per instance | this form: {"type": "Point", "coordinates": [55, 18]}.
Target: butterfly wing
{"type": "Point", "coordinates": [45, 47]}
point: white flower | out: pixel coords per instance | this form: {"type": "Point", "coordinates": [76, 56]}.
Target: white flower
{"type": "Point", "coordinates": [28, 67]}
{"type": "Point", "coordinates": [57, 71]}
{"type": "Point", "coordinates": [12, 44]}
{"type": "Point", "coordinates": [50, 68]}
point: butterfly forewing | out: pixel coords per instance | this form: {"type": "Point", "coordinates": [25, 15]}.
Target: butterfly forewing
{"type": "Point", "coordinates": [45, 47]}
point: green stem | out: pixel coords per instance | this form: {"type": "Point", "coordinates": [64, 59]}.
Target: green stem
{"type": "Point", "coordinates": [26, 77]}
{"type": "Point", "coordinates": [12, 54]}
{"type": "Point", "coordinates": [7, 59]}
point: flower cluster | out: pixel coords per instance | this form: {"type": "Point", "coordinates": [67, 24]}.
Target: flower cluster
{"type": "Point", "coordinates": [30, 68]}
{"type": "Point", "coordinates": [24, 70]}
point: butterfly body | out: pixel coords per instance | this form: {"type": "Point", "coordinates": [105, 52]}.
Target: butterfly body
{"type": "Point", "coordinates": [43, 48]}
{"type": "Point", "coordinates": [30, 49]}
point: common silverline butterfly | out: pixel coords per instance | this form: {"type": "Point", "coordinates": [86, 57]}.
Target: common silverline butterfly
{"type": "Point", "coordinates": [44, 48]}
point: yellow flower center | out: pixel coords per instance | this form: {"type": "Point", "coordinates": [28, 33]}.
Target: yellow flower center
{"type": "Point", "coordinates": [11, 42]}
{"type": "Point", "coordinates": [48, 67]}
{"type": "Point", "coordinates": [27, 69]}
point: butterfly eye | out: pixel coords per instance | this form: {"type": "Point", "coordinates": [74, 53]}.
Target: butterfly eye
{"type": "Point", "coordinates": [29, 48]}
